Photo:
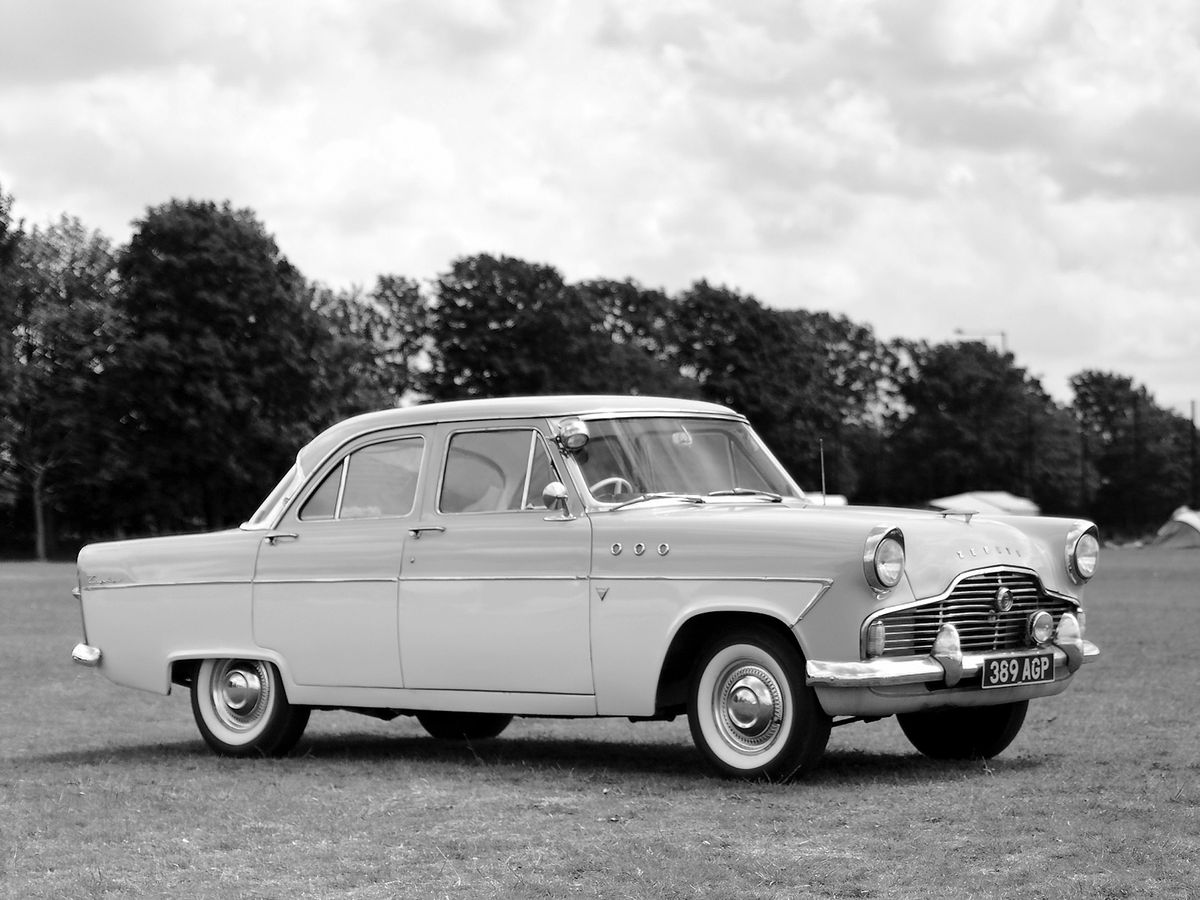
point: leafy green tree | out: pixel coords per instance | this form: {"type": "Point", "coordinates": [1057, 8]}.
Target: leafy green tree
{"type": "Point", "coordinates": [224, 371]}
{"type": "Point", "coordinates": [976, 421]}
{"type": "Point", "coordinates": [618, 341]}
{"type": "Point", "coordinates": [378, 344]}
{"type": "Point", "coordinates": [804, 381]}
{"type": "Point", "coordinates": [10, 241]}
{"type": "Point", "coordinates": [1141, 452]}
{"type": "Point", "coordinates": [64, 335]}
{"type": "Point", "coordinates": [505, 327]}
{"type": "Point", "coordinates": [492, 328]}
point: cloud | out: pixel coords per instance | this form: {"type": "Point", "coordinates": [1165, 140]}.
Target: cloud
{"type": "Point", "coordinates": [1014, 165]}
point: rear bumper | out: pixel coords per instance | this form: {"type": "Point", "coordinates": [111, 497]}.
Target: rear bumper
{"type": "Point", "coordinates": [86, 655]}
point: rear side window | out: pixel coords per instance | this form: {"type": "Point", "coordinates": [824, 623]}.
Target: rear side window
{"type": "Point", "coordinates": [373, 482]}
{"type": "Point", "coordinates": [495, 471]}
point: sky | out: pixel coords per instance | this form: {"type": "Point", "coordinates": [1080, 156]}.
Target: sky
{"type": "Point", "coordinates": [1023, 172]}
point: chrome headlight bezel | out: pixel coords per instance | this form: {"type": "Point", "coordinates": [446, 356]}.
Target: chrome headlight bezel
{"type": "Point", "coordinates": [1082, 552]}
{"type": "Point", "coordinates": [884, 558]}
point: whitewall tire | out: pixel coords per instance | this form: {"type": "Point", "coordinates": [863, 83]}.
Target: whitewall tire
{"type": "Point", "coordinates": [751, 713]}
{"type": "Point", "coordinates": [241, 709]}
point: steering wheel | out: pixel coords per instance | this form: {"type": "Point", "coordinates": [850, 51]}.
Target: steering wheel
{"type": "Point", "coordinates": [612, 486]}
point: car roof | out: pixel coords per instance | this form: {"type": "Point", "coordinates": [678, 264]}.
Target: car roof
{"type": "Point", "coordinates": [549, 407]}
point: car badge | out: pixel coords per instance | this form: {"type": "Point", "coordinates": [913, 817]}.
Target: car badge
{"type": "Point", "coordinates": [1003, 601]}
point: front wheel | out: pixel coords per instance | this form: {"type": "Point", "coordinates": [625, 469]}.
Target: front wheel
{"type": "Point", "coordinates": [241, 710]}
{"type": "Point", "coordinates": [751, 714]}
{"type": "Point", "coordinates": [969, 732]}
{"type": "Point", "coordinates": [460, 726]}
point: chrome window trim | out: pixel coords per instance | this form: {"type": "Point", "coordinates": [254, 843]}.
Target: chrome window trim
{"type": "Point", "coordinates": [481, 428]}
{"type": "Point", "coordinates": [359, 442]}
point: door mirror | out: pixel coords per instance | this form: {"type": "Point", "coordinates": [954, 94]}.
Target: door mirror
{"type": "Point", "coordinates": [554, 496]}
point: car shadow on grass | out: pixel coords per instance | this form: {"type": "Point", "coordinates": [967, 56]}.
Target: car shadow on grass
{"type": "Point", "coordinates": [516, 757]}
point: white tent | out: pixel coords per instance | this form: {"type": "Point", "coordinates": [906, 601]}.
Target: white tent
{"type": "Point", "coordinates": [1182, 530]}
{"type": "Point", "coordinates": [993, 503]}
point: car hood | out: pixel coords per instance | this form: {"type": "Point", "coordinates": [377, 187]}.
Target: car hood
{"type": "Point", "coordinates": [758, 539]}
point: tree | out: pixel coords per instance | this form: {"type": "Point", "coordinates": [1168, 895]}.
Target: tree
{"type": "Point", "coordinates": [628, 346]}
{"type": "Point", "coordinates": [491, 328]}
{"type": "Point", "coordinates": [772, 366]}
{"type": "Point", "coordinates": [504, 327]}
{"type": "Point", "coordinates": [63, 337]}
{"type": "Point", "coordinates": [225, 369]}
{"type": "Point", "coordinates": [1140, 451]}
{"type": "Point", "coordinates": [10, 241]}
{"type": "Point", "coordinates": [379, 342]}
{"type": "Point", "coordinates": [976, 421]}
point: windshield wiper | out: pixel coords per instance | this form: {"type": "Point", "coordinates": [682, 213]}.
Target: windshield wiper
{"type": "Point", "coordinates": [660, 495]}
{"type": "Point", "coordinates": [769, 496]}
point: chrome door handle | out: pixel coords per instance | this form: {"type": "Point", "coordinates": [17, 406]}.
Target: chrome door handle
{"type": "Point", "coordinates": [277, 536]}
{"type": "Point", "coordinates": [418, 530]}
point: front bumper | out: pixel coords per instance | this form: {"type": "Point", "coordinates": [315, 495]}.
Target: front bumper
{"type": "Point", "coordinates": [947, 665]}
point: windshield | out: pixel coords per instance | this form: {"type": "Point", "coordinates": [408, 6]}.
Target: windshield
{"type": "Point", "coordinates": [629, 458]}
{"type": "Point", "coordinates": [276, 500]}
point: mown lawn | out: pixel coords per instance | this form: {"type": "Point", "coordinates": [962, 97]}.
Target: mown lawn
{"type": "Point", "coordinates": [110, 792]}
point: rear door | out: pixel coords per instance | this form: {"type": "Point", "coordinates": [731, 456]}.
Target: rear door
{"type": "Point", "coordinates": [327, 579]}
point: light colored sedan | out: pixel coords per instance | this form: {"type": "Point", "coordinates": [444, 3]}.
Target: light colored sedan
{"type": "Point", "coordinates": [591, 556]}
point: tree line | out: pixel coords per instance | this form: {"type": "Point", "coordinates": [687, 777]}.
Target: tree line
{"type": "Point", "coordinates": [164, 385]}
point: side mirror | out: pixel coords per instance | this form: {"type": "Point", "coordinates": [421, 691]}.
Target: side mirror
{"type": "Point", "coordinates": [554, 496]}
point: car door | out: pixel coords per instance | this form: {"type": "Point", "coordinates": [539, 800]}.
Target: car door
{"type": "Point", "coordinates": [494, 592]}
{"type": "Point", "coordinates": [326, 581]}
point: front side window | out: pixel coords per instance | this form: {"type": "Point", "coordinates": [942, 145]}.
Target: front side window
{"type": "Point", "coordinates": [376, 481]}
{"type": "Point", "coordinates": [495, 471]}
{"type": "Point", "coordinates": [628, 458]}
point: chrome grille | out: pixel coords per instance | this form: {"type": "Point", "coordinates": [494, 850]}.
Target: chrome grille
{"type": "Point", "coordinates": [970, 608]}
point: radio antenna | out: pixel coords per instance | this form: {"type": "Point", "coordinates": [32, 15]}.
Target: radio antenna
{"type": "Point", "coordinates": [821, 451]}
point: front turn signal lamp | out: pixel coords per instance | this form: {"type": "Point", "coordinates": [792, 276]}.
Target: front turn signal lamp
{"type": "Point", "coordinates": [876, 639]}
{"type": "Point", "coordinates": [1040, 627]}
{"type": "Point", "coordinates": [883, 558]}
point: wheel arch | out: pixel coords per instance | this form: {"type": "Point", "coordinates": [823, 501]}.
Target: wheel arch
{"type": "Point", "coordinates": [182, 666]}
{"type": "Point", "coordinates": [691, 637]}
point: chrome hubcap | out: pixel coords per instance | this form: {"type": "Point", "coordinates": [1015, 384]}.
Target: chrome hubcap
{"type": "Point", "coordinates": [240, 693]}
{"type": "Point", "coordinates": [242, 690]}
{"type": "Point", "coordinates": [748, 707]}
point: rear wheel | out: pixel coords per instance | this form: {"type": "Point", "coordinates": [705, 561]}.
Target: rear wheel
{"type": "Point", "coordinates": [461, 726]}
{"type": "Point", "coordinates": [969, 732]}
{"type": "Point", "coordinates": [751, 714]}
{"type": "Point", "coordinates": [241, 709]}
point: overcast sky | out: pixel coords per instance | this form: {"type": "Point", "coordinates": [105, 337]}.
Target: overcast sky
{"type": "Point", "coordinates": [1016, 166]}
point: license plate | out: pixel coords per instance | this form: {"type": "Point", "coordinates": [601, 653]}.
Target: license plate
{"type": "Point", "coordinates": [1011, 671]}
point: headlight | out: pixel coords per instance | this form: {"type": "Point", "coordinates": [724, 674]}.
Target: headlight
{"type": "Point", "coordinates": [883, 558]}
{"type": "Point", "coordinates": [1083, 552]}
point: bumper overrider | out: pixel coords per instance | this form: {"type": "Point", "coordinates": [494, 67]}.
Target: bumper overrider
{"type": "Point", "coordinates": [946, 664]}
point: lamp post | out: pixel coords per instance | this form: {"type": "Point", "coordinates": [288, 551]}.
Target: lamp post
{"type": "Point", "coordinates": [1003, 335]}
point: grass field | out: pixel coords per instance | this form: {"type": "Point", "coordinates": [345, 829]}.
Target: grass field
{"type": "Point", "coordinates": [109, 792]}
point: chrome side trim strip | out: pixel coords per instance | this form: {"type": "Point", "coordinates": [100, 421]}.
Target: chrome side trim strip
{"type": "Point", "coordinates": [158, 584]}
{"type": "Point", "coordinates": [826, 583]}
{"type": "Point", "coordinates": [493, 578]}
{"type": "Point", "coordinates": [326, 581]}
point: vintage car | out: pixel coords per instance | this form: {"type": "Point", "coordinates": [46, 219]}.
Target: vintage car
{"type": "Point", "coordinates": [469, 562]}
